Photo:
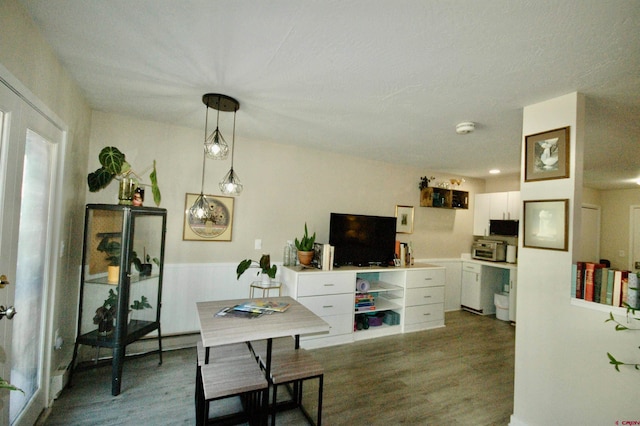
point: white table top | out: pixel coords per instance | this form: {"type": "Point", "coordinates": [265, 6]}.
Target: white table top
{"type": "Point", "coordinates": [297, 320]}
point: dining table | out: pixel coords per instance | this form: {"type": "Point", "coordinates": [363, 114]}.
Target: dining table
{"type": "Point", "coordinates": [219, 330]}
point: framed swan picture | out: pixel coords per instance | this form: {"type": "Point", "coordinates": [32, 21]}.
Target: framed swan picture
{"type": "Point", "coordinates": [547, 155]}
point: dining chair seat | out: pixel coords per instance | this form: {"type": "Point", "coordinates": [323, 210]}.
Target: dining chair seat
{"type": "Point", "coordinates": [290, 366]}
{"type": "Point", "coordinates": [232, 371]}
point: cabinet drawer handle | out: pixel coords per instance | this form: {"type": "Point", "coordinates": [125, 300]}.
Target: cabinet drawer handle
{"type": "Point", "coordinates": [427, 297]}
{"type": "Point", "coordinates": [328, 306]}
{"type": "Point", "coordinates": [328, 285]}
{"type": "Point", "coordinates": [427, 314]}
{"type": "Point", "coordinates": [428, 279]}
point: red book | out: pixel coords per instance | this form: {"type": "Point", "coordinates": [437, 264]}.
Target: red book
{"type": "Point", "coordinates": [588, 281]}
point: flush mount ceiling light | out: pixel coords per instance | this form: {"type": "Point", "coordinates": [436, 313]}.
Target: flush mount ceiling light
{"type": "Point", "coordinates": [201, 209]}
{"type": "Point", "coordinates": [465, 127]}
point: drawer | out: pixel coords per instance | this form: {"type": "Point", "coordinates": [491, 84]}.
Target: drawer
{"type": "Point", "coordinates": [423, 313]}
{"type": "Point", "coordinates": [472, 267]}
{"type": "Point", "coordinates": [333, 304]}
{"type": "Point", "coordinates": [317, 284]}
{"type": "Point", "coordinates": [426, 278]}
{"type": "Point", "coordinates": [424, 296]}
{"type": "Point", "coordinates": [339, 324]}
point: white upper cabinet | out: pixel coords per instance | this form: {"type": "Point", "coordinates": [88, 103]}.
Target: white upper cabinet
{"type": "Point", "coordinates": [497, 206]}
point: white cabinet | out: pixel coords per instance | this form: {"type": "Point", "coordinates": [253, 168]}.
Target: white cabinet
{"type": "Point", "coordinates": [424, 299]}
{"type": "Point", "coordinates": [497, 206]}
{"type": "Point", "coordinates": [413, 294]}
{"type": "Point", "coordinates": [479, 284]}
{"type": "Point", "coordinates": [513, 289]}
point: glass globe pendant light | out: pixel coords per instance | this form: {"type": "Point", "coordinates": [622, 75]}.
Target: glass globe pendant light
{"type": "Point", "coordinates": [215, 147]}
{"type": "Point", "coordinates": [230, 184]}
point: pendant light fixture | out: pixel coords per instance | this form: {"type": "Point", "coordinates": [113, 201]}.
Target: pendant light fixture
{"type": "Point", "coordinates": [215, 147]}
{"type": "Point", "coordinates": [231, 184]}
{"type": "Point", "coordinates": [201, 210]}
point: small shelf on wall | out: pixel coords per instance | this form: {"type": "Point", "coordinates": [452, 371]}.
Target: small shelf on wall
{"type": "Point", "coordinates": [444, 198]}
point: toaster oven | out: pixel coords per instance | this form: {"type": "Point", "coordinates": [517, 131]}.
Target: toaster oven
{"type": "Point", "coordinates": [493, 251]}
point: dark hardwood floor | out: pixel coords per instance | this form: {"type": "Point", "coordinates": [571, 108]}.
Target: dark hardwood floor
{"type": "Point", "coordinates": [458, 375]}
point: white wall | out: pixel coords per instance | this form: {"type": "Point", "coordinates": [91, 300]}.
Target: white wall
{"type": "Point", "coordinates": [562, 375]}
{"type": "Point", "coordinates": [284, 187]}
{"type": "Point", "coordinates": [614, 242]}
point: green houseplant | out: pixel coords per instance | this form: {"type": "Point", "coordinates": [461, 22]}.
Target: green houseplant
{"type": "Point", "coordinates": [305, 247]}
{"type": "Point", "coordinates": [114, 166]}
{"type": "Point", "coordinates": [106, 313]}
{"type": "Point", "coordinates": [143, 266]}
{"type": "Point", "coordinates": [112, 249]}
{"type": "Point", "coordinates": [631, 315]}
{"type": "Point", "coordinates": [267, 270]}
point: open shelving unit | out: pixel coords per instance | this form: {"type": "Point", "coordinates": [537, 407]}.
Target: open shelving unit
{"type": "Point", "coordinates": [388, 297]}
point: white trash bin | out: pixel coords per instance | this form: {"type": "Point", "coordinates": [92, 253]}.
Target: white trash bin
{"type": "Point", "coordinates": [501, 301]}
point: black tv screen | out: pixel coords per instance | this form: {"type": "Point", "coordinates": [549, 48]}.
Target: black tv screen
{"type": "Point", "coordinates": [362, 240]}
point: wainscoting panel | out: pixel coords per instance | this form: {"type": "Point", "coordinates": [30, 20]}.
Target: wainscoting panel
{"type": "Point", "coordinates": [186, 284]}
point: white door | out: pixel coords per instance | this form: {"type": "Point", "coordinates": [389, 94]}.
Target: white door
{"type": "Point", "coordinates": [634, 252]}
{"type": "Point", "coordinates": [589, 249]}
{"type": "Point", "coordinates": [29, 145]}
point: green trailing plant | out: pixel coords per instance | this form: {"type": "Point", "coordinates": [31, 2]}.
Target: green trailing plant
{"type": "Point", "coordinates": [137, 262]}
{"type": "Point", "coordinates": [115, 166]}
{"type": "Point", "coordinates": [6, 385]}
{"type": "Point", "coordinates": [306, 243]}
{"type": "Point", "coordinates": [631, 315]}
{"type": "Point", "coordinates": [111, 248]}
{"type": "Point", "coordinates": [265, 266]}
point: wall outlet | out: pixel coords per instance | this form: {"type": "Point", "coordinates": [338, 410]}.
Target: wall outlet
{"type": "Point", "coordinates": [621, 253]}
{"type": "Point", "coordinates": [257, 244]}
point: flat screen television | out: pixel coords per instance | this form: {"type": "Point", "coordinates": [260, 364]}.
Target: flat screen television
{"type": "Point", "coordinates": [362, 240]}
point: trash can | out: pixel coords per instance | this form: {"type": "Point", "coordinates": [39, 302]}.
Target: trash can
{"type": "Point", "coordinates": [501, 301]}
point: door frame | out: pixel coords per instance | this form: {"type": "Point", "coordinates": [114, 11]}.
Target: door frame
{"type": "Point", "coordinates": [54, 259]}
{"type": "Point", "coordinates": [632, 232]}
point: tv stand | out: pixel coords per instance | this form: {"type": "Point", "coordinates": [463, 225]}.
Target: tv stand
{"type": "Point", "coordinates": [411, 297]}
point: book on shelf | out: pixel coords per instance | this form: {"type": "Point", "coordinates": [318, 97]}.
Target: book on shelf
{"type": "Point", "coordinates": [609, 298]}
{"type": "Point", "coordinates": [323, 256]}
{"type": "Point", "coordinates": [597, 282]}
{"type": "Point", "coordinates": [617, 288]}
{"type": "Point", "coordinates": [580, 266]}
{"type": "Point", "coordinates": [588, 281]}
{"type": "Point", "coordinates": [365, 308]}
{"type": "Point", "coordinates": [624, 287]}
{"type": "Point", "coordinates": [604, 274]}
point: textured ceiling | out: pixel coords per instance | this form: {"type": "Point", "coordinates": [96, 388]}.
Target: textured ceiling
{"type": "Point", "coordinates": [386, 80]}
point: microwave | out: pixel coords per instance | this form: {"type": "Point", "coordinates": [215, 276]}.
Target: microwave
{"type": "Point", "coordinates": [494, 251]}
{"type": "Point", "coordinates": [508, 228]}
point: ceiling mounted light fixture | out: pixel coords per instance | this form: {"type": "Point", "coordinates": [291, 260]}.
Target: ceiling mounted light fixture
{"type": "Point", "coordinates": [201, 209]}
{"type": "Point", "coordinates": [231, 184]}
{"type": "Point", "coordinates": [215, 147]}
{"type": "Point", "coordinates": [465, 127]}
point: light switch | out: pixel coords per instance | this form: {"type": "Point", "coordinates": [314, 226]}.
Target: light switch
{"type": "Point", "coordinates": [257, 244]}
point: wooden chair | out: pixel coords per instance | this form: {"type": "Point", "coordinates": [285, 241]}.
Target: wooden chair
{"type": "Point", "coordinates": [231, 371]}
{"type": "Point", "coordinates": [290, 366]}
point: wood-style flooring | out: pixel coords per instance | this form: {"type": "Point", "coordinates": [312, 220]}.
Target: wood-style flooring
{"type": "Point", "coordinates": [458, 375]}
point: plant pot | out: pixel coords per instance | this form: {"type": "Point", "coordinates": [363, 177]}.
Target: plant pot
{"type": "Point", "coordinates": [145, 269]}
{"type": "Point", "coordinates": [266, 279]}
{"type": "Point", "coordinates": [105, 327]}
{"type": "Point", "coordinates": [113, 274]}
{"type": "Point", "coordinates": [125, 192]}
{"type": "Point", "coordinates": [305, 257]}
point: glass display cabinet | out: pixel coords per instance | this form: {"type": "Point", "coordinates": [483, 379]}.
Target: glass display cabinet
{"type": "Point", "coordinates": [120, 281]}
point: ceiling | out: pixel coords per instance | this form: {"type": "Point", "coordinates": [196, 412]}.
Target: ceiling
{"type": "Point", "coordinates": [386, 80]}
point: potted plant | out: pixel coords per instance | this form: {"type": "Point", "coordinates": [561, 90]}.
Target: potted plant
{"type": "Point", "coordinates": [305, 247]}
{"type": "Point", "coordinates": [106, 313]}
{"type": "Point", "coordinates": [267, 270]}
{"type": "Point", "coordinates": [112, 250]}
{"type": "Point", "coordinates": [144, 268]}
{"type": "Point", "coordinates": [114, 166]}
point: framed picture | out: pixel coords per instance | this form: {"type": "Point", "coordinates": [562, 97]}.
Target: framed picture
{"type": "Point", "coordinates": [546, 224]}
{"type": "Point", "coordinates": [547, 155]}
{"type": "Point", "coordinates": [404, 219]}
{"type": "Point", "coordinates": [216, 229]}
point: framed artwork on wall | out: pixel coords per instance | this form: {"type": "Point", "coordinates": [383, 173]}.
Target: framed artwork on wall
{"type": "Point", "coordinates": [216, 229]}
{"type": "Point", "coordinates": [547, 155]}
{"type": "Point", "coordinates": [546, 224]}
{"type": "Point", "coordinates": [404, 219]}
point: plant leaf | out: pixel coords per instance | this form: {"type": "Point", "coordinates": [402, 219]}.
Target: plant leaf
{"type": "Point", "coordinates": [111, 159]}
{"type": "Point", "coordinates": [99, 179]}
{"type": "Point", "coordinates": [155, 190]}
{"type": "Point", "coordinates": [242, 266]}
